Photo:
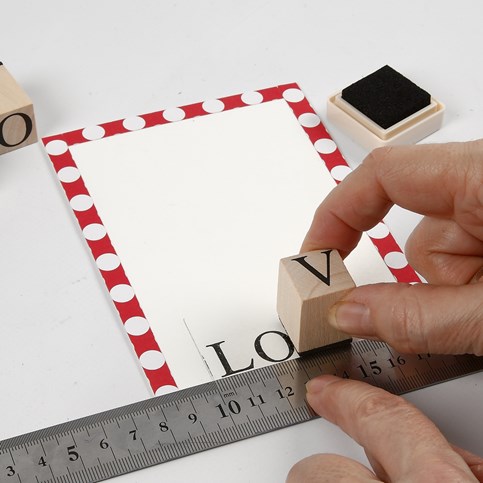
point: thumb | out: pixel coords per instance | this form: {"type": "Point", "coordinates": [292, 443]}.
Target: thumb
{"type": "Point", "coordinates": [415, 318]}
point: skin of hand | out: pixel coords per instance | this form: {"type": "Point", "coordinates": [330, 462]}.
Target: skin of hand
{"type": "Point", "coordinates": [401, 444]}
{"type": "Point", "coordinates": [444, 183]}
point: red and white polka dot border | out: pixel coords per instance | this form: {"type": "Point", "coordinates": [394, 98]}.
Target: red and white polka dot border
{"type": "Point", "coordinates": [110, 266]}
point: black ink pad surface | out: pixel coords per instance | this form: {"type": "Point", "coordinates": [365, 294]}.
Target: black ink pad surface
{"type": "Point", "coordinates": [385, 108]}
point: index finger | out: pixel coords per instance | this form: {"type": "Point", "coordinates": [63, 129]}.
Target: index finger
{"type": "Point", "coordinates": [426, 179]}
{"type": "Point", "coordinates": [397, 436]}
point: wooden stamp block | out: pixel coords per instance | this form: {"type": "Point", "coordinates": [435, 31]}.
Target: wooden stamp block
{"type": "Point", "coordinates": [308, 285]}
{"type": "Point", "coordinates": [17, 122]}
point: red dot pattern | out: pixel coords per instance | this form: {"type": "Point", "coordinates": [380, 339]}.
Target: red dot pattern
{"type": "Point", "coordinates": [161, 378]}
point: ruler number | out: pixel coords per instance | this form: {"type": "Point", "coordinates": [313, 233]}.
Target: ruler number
{"type": "Point", "coordinates": [376, 370]}
{"type": "Point", "coordinates": [193, 418]}
{"type": "Point", "coordinates": [253, 400]}
{"type": "Point", "coordinates": [399, 361]}
{"type": "Point", "coordinates": [233, 406]}
{"type": "Point", "coordinates": [73, 455]}
{"type": "Point", "coordinates": [376, 366]}
{"type": "Point", "coordinates": [288, 390]}
{"type": "Point", "coordinates": [10, 471]}
{"type": "Point", "coordinates": [364, 373]}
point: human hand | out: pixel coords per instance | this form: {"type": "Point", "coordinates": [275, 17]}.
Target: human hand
{"type": "Point", "coordinates": [401, 444]}
{"type": "Point", "coordinates": [445, 184]}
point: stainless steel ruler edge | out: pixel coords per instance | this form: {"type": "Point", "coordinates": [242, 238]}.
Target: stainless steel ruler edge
{"type": "Point", "coordinates": [362, 360]}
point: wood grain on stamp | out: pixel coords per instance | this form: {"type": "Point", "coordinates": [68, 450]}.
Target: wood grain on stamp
{"type": "Point", "coordinates": [308, 285]}
{"type": "Point", "coordinates": [17, 122]}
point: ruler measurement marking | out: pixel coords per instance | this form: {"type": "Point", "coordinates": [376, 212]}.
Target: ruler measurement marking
{"type": "Point", "coordinates": [193, 406]}
{"type": "Point", "coordinates": [82, 461]}
{"type": "Point", "coordinates": [172, 434]}
{"type": "Point", "coordinates": [305, 370]}
{"type": "Point", "coordinates": [144, 446]}
{"type": "Point", "coordinates": [110, 447]}
{"type": "Point", "coordinates": [259, 406]}
{"type": "Point", "coordinates": [203, 427]}
{"type": "Point", "coordinates": [50, 468]}
{"type": "Point", "coordinates": [238, 395]}
{"type": "Point", "coordinates": [282, 389]}
{"type": "Point", "coordinates": [99, 471]}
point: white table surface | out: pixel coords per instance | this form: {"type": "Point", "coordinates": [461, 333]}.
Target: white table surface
{"type": "Point", "coordinates": [93, 61]}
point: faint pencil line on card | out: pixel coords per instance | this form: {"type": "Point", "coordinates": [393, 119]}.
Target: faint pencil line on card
{"type": "Point", "coordinates": [198, 349]}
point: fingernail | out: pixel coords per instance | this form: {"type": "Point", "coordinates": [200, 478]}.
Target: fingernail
{"type": "Point", "coordinates": [352, 318]}
{"type": "Point", "coordinates": [318, 383]}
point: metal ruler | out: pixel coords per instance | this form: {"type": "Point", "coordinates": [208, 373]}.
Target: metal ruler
{"type": "Point", "coordinates": [164, 428]}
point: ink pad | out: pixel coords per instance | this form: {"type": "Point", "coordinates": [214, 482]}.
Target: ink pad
{"type": "Point", "coordinates": [385, 108]}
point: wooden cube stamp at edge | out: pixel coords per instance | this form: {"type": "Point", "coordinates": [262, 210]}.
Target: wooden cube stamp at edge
{"type": "Point", "coordinates": [17, 122]}
{"type": "Point", "coordinates": [308, 285]}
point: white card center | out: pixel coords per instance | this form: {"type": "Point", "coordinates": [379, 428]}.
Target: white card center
{"type": "Point", "coordinates": [200, 211]}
